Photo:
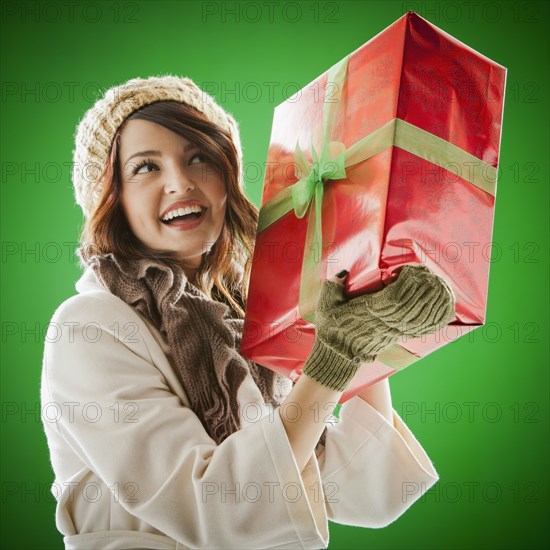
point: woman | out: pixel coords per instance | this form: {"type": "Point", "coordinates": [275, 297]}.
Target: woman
{"type": "Point", "coordinates": [161, 435]}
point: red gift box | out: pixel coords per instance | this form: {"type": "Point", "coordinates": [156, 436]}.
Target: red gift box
{"type": "Point", "coordinates": [388, 158]}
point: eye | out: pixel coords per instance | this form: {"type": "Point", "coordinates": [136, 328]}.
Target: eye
{"type": "Point", "coordinates": [148, 163]}
{"type": "Point", "coordinates": [199, 155]}
{"type": "Point", "coordinates": [143, 164]}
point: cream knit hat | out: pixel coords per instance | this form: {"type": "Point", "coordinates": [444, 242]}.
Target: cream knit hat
{"type": "Point", "coordinates": [96, 130]}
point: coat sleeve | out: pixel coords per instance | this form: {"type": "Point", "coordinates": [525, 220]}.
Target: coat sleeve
{"type": "Point", "coordinates": [140, 439]}
{"type": "Point", "coordinates": [372, 471]}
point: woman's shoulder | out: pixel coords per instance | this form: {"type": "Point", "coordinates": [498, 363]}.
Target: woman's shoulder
{"type": "Point", "coordinates": [95, 325]}
{"type": "Point", "coordinates": [94, 303]}
{"type": "Point", "coordinates": [95, 314]}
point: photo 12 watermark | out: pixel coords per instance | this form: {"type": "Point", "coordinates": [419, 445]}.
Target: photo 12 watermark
{"type": "Point", "coordinates": [268, 492]}
{"type": "Point", "coordinates": [473, 491]}
{"type": "Point", "coordinates": [270, 11]}
{"type": "Point", "coordinates": [67, 11]}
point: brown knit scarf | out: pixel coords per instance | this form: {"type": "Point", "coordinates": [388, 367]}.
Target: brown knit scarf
{"type": "Point", "coordinates": [202, 335]}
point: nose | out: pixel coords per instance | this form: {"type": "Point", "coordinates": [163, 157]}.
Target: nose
{"type": "Point", "coordinates": [178, 182]}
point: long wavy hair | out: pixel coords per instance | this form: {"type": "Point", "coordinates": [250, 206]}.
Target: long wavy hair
{"type": "Point", "coordinates": [225, 270]}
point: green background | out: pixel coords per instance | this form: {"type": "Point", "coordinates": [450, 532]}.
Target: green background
{"type": "Point", "coordinates": [493, 491]}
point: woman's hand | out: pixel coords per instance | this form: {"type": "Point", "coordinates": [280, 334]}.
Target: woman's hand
{"type": "Point", "coordinates": [352, 332]}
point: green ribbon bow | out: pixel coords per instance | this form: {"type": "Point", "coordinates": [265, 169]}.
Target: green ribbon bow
{"type": "Point", "coordinates": [331, 165]}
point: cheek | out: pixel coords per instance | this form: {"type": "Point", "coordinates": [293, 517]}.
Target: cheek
{"type": "Point", "coordinates": [131, 211]}
{"type": "Point", "coordinates": [127, 207]}
{"type": "Point", "coordinates": [136, 210]}
{"type": "Point", "coordinates": [221, 208]}
{"type": "Point", "coordinates": [221, 197]}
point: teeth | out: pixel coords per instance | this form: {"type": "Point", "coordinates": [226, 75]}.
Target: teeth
{"type": "Point", "coordinates": [182, 211]}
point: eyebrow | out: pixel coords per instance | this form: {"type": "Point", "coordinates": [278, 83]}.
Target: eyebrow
{"type": "Point", "coordinates": [155, 153]}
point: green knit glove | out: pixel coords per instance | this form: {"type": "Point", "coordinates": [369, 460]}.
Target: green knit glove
{"type": "Point", "coordinates": [349, 333]}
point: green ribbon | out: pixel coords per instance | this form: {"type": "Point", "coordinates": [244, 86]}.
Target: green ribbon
{"type": "Point", "coordinates": [306, 195]}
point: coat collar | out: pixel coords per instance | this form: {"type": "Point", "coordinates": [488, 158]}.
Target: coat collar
{"type": "Point", "coordinates": [89, 282]}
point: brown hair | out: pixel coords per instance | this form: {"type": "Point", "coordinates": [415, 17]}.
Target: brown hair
{"type": "Point", "coordinates": [107, 229]}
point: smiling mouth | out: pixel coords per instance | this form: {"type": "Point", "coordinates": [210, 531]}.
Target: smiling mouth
{"type": "Point", "coordinates": [188, 220]}
{"type": "Point", "coordinates": [185, 218]}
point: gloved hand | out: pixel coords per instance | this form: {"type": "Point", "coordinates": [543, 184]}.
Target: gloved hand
{"type": "Point", "coordinates": [351, 332]}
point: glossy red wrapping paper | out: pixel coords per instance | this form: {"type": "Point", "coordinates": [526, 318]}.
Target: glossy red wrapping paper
{"type": "Point", "coordinates": [394, 208]}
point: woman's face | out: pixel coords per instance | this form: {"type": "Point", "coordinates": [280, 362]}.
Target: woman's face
{"type": "Point", "coordinates": [159, 169]}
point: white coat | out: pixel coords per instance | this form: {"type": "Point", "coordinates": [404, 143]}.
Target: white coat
{"type": "Point", "coordinates": [134, 467]}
